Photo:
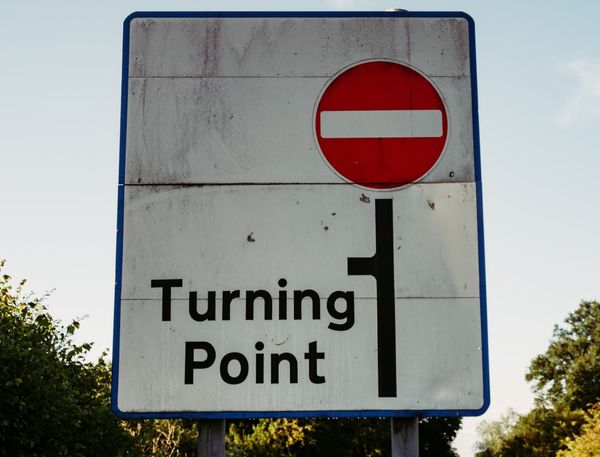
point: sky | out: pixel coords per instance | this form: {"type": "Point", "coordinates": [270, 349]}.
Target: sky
{"type": "Point", "coordinates": [538, 68]}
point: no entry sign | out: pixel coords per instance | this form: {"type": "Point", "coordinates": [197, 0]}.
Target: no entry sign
{"type": "Point", "coordinates": [299, 226]}
{"type": "Point", "coordinates": [381, 124]}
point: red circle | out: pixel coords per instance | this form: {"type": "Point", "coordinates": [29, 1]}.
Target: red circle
{"type": "Point", "coordinates": [381, 162]}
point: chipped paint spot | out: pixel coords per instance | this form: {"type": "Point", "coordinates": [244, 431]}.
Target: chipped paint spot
{"type": "Point", "coordinates": [283, 342]}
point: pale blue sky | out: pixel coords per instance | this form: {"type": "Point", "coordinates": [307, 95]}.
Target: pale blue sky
{"type": "Point", "coordinates": [539, 92]}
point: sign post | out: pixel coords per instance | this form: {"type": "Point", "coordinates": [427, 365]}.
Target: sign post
{"type": "Point", "coordinates": [211, 438]}
{"type": "Point", "coordinates": [300, 227]}
{"type": "Point", "coordinates": [405, 437]}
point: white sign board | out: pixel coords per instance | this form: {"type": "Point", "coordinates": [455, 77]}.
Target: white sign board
{"type": "Point", "coordinates": [299, 229]}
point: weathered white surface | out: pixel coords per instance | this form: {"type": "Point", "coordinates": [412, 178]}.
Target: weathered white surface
{"type": "Point", "coordinates": [225, 189]}
{"type": "Point", "coordinates": [240, 47]}
{"type": "Point", "coordinates": [439, 360]}
{"type": "Point", "coordinates": [302, 233]}
{"type": "Point", "coordinates": [231, 130]}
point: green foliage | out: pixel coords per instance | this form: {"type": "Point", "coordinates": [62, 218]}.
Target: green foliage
{"type": "Point", "coordinates": [164, 438]}
{"type": "Point", "coordinates": [327, 437]}
{"type": "Point", "coordinates": [566, 382]}
{"type": "Point", "coordinates": [587, 443]}
{"type": "Point", "coordinates": [539, 433]}
{"type": "Point", "coordinates": [568, 373]}
{"type": "Point", "coordinates": [52, 402]}
{"type": "Point", "coordinates": [492, 434]}
{"type": "Point", "coordinates": [268, 437]}
{"type": "Point", "coordinates": [436, 435]}
{"type": "Point", "coordinates": [351, 437]}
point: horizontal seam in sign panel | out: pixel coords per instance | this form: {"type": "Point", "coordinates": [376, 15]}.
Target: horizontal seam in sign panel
{"type": "Point", "coordinates": [382, 124]}
{"type": "Point", "coordinates": [322, 298]}
{"type": "Point", "coordinates": [224, 184]}
{"type": "Point", "coordinates": [266, 76]}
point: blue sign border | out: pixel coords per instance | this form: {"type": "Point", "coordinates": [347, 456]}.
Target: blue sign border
{"type": "Point", "coordinates": [120, 221]}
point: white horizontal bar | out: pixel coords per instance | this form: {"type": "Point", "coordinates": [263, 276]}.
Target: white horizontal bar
{"type": "Point", "coordinates": [382, 124]}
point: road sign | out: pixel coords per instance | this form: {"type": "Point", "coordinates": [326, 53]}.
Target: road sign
{"type": "Point", "coordinates": [381, 124]}
{"type": "Point", "coordinates": [299, 227]}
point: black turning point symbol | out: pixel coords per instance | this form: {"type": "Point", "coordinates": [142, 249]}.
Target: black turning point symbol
{"type": "Point", "coordinates": [381, 267]}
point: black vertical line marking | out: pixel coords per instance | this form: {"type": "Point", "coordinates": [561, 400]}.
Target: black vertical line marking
{"type": "Point", "coordinates": [381, 267]}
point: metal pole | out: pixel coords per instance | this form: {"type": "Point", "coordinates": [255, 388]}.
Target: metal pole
{"type": "Point", "coordinates": [405, 436]}
{"type": "Point", "coordinates": [211, 438]}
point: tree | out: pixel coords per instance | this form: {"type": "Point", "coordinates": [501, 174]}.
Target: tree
{"type": "Point", "coordinates": [587, 443]}
{"type": "Point", "coordinates": [493, 434]}
{"type": "Point", "coordinates": [436, 435]}
{"type": "Point", "coordinates": [568, 373]}
{"type": "Point", "coordinates": [538, 433]}
{"type": "Point", "coordinates": [566, 382]}
{"type": "Point", "coordinates": [164, 437]}
{"type": "Point", "coordinates": [268, 437]}
{"type": "Point", "coordinates": [326, 437]}
{"type": "Point", "coordinates": [52, 402]}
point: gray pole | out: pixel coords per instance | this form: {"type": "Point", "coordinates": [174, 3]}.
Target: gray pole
{"type": "Point", "coordinates": [405, 437]}
{"type": "Point", "coordinates": [211, 438]}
